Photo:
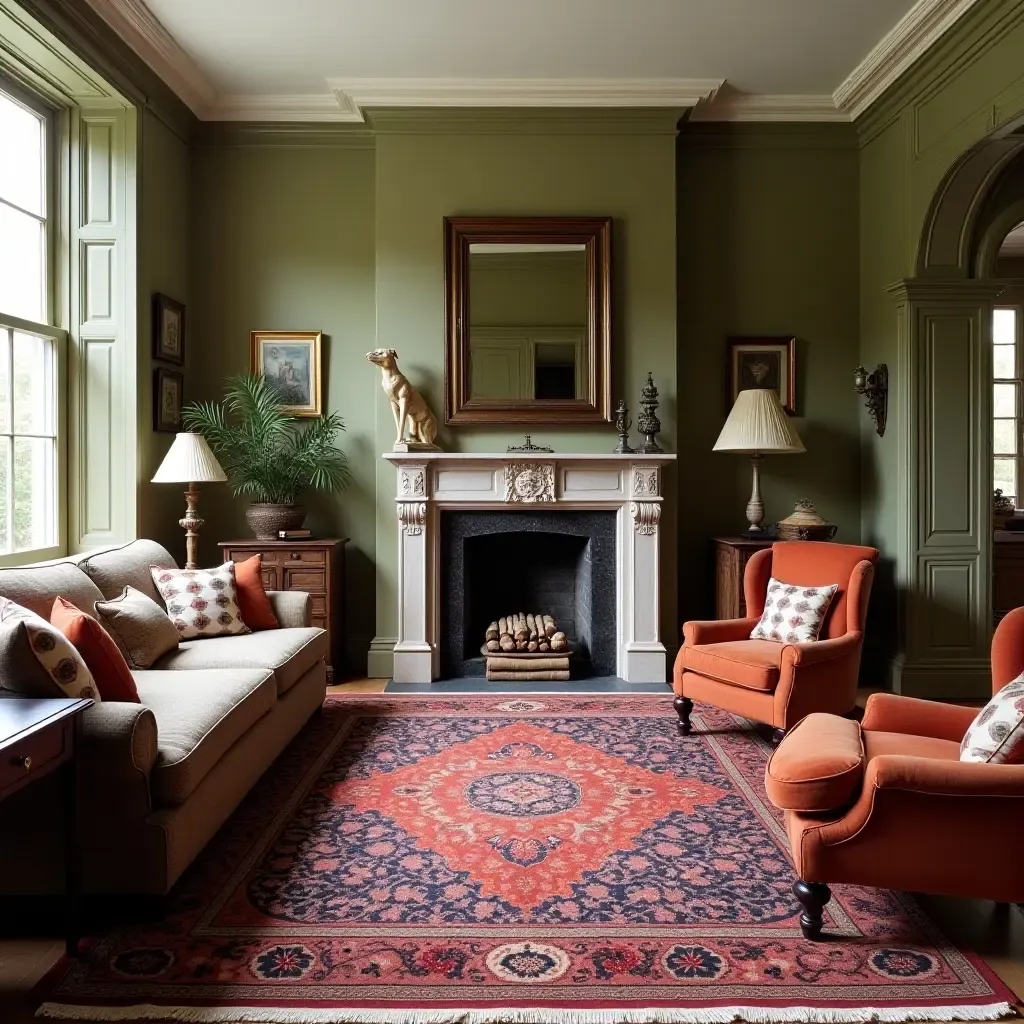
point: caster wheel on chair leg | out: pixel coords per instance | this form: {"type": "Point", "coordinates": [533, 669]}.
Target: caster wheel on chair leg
{"type": "Point", "coordinates": [683, 706]}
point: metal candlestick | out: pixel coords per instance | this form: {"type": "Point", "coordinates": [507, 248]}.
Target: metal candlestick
{"type": "Point", "coordinates": [622, 425]}
{"type": "Point", "coordinates": [648, 424]}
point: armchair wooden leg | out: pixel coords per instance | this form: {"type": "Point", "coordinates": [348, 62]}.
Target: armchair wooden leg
{"type": "Point", "coordinates": [777, 736]}
{"type": "Point", "coordinates": [683, 706]}
{"type": "Point", "coordinates": [812, 896]}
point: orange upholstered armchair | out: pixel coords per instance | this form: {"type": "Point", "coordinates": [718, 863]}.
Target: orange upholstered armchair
{"type": "Point", "coordinates": [772, 682]}
{"type": "Point", "coordinates": [889, 803]}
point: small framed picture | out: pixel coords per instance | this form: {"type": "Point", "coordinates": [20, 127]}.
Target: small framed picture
{"type": "Point", "coordinates": [762, 363]}
{"type": "Point", "coordinates": [168, 392]}
{"type": "Point", "coordinates": [168, 330]}
{"type": "Point", "coordinates": [291, 361]}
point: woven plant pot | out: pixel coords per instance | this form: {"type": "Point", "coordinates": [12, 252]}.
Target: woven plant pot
{"type": "Point", "coordinates": [265, 519]}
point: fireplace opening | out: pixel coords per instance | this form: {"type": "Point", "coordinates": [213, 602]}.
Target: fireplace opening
{"type": "Point", "coordinates": [497, 563]}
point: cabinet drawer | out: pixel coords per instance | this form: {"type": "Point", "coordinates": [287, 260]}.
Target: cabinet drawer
{"type": "Point", "coordinates": [306, 556]}
{"type": "Point", "coordinates": [269, 578]}
{"type": "Point", "coordinates": [241, 554]}
{"type": "Point", "coordinates": [31, 756]}
{"type": "Point", "coordinates": [318, 606]}
{"type": "Point", "coordinates": [296, 578]}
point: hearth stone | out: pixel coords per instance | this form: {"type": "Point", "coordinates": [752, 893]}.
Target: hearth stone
{"type": "Point", "coordinates": [495, 562]}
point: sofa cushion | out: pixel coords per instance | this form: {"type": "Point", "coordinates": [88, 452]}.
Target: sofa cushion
{"type": "Point", "coordinates": [257, 612]}
{"type": "Point", "coordinates": [99, 652]}
{"type": "Point", "coordinates": [35, 588]}
{"type": "Point", "coordinates": [202, 603]}
{"type": "Point", "coordinates": [126, 566]}
{"type": "Point", "coordinates": [818, 766]}
{"type": "Point", "coordinates": [793, 613]}
{"type": "Point", "coordinates": [199, 715]}
{"type": "Point", "coordinates": [139, 626]}
{"type": "Point", "coordinates": [753, 664]}
{"type": "Point", "coordinates": [288, 653]}
{"type": "Point", "coordinates": [996, 736]}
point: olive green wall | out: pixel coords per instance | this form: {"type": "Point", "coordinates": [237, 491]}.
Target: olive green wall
{"type": "Point", "coordinates": [767, 234]}
{"type": "Point", "coordinates": [163, 266]}
{"type": "Point", "coordinates": [282, 239]}
{"type": "Point", "coordinates": [970, 83]}
{"type": "Point", "coordinates": [618, 164]}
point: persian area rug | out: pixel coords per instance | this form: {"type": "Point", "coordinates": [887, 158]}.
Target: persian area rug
{"type": "Point", "coordinates": [557, 859]}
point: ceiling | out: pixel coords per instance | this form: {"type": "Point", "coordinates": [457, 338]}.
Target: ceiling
{"type": "Point", "coordinates": [816, 59]}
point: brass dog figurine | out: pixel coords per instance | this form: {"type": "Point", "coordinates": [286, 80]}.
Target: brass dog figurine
{"type": "Point", "coordinates": [406, 402]}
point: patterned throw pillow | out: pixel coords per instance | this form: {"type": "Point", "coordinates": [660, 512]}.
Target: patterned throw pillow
{"type": "Point", "coordinates": [37, 660]}
{"type": "Point", "coordinates": [793, 614]}
{"type": "Point", "coordinates": [996, 736]}
{"type": "Point", "coordinates": [201, 602]}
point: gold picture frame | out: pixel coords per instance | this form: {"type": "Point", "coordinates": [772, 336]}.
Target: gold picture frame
{"type": "Point", "coordinates": [291, 360]}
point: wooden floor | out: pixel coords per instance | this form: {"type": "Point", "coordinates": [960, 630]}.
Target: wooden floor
{"type": "Point", "coordinates": [995, 932]}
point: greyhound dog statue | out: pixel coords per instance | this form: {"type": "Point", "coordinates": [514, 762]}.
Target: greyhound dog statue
{"type": "Point", "coordinates": [406, 402]}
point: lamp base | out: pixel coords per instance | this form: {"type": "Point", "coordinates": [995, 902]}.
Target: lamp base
{"type": "Point", "coordinates": [191, 523]}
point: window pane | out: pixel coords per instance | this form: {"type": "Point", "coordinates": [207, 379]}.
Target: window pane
{"type": "Point", "coordinates": [33, 385]}
{"type": "Point", "coordinates": [5, 463]}
{"type": "Point", "coordinates": [34, 491]}
{"type": "Point", "coordinates": [1005, 476]}
{"type": "Point", "coordinates": [21, 265]}
{"type": "Point", "coordinates": [1004, 439]}
{"type": "Point", "coordinates": [1004, 326]}
{"type": "Point", "coordinates": [1005, 399]}
{"type": "Point", "coordinates": [1003, 363]}
{"type": "Point", "coordinates": [22, 142]}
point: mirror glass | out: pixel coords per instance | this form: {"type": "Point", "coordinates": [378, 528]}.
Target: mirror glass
{"type": "Point", "coordinates": [528, 308]}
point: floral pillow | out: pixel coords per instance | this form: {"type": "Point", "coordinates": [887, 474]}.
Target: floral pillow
{"type": "Point", "coordinates": [37, 660]}
{"type": "Point", "coordinates": [996, 736]}
{"type": "Point", "coordinates": [201, 602]}
{"type": "Point", "coordinates": [793, 614]}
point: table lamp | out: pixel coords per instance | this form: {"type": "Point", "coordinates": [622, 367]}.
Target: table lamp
{"type": "Point", "coordinates": [190, 461]}
{"type": "Point", "coordinates": [757, 424]}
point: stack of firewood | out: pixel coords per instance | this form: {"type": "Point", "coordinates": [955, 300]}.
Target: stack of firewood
{"type": "Point", "coordinates": [526, 646]}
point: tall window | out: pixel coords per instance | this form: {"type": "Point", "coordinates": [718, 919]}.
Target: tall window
{"type": "Point", "coordinates": [31, 386]}
{"type": "Point", "coordinates": [1007, 357]}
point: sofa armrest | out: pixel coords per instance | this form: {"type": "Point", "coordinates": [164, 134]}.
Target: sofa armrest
{"type": "Point", "coordinates": [118, 751]}
{"type": "Point", "coordinates": [888, 712]}
{"type": "Point", "coordinates": [937, 777]}
{"type": "Point", "coordinates": [718, 631]}
{"type": "Point", "coordinates": [292, 608]}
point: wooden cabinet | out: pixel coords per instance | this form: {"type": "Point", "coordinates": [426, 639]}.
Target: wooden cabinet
{"type": "Point", "coordinates": [731, 557]}
{"type": "Point", "coordinates": [313, 566]}
{"type": "Point", "coordinates": [1007, 572]}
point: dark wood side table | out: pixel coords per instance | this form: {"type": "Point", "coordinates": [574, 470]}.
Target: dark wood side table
{"type": "Point", "coordinates": [731, 557]}
{"type": "Point", "coordinates": [316, 567]}
{"type": "Point", "coordinates": [38, 737]}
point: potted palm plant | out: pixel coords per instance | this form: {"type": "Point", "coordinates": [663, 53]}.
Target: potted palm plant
{"type": "Point", "coordinates": [266, 455]}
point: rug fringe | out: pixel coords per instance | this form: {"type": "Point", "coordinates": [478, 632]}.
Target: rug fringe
{"type": "Point", "coordinates": [539, 1015]}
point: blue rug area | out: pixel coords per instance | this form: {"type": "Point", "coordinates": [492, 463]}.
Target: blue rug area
{"type": "Point", "coordinates": [478, 684]}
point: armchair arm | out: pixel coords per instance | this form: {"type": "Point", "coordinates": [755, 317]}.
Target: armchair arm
{"type": "Point", "coordinates": [718, 631]}
{"type": "Point", "coordinates": [887, 712]}
{"type": "Point", "coordinates": [292, 608]}
{"type": "Point", "coordinates": [944, 778]}
{"type": "Point", "coordinates": [819, 676]}
{"type": "Point", "coordinates": [821, 650]}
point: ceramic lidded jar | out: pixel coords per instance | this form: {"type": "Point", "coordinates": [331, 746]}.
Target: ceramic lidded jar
{"type": "Point", "coordinates": [805, 524]}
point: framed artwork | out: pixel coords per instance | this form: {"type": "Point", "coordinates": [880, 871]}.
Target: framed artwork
{"type": "Point", "coordinates": [168, 395]}
{"type": "Point", "coordinates": [168, 330]}
{"type": "Point", "coordinates": [291, 360]}
{"type": "Point", "coordinates": [762, 363]}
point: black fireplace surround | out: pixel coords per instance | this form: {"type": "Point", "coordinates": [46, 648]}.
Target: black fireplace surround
{"type": "Point", "coordinates": [495, 563]}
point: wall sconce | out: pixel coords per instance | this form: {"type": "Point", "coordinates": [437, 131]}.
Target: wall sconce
{"type": "Point", "coordinates": [874, 387]}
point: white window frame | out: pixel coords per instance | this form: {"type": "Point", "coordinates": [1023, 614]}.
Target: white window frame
{"type": "Point", "coordinates": [48, 330]}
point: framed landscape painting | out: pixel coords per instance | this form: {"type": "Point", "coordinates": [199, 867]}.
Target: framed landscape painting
{"type": "Point", "coordinates": [762, 363]}
{"type": "Point", "coordinates": [291, 361]}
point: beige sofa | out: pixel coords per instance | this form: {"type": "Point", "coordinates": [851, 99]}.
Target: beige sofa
{"type": "Point", "coordinates": [159, 778]}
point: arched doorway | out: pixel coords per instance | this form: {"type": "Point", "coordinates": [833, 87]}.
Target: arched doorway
{"type": "Point", "coordinates": [943, 391]}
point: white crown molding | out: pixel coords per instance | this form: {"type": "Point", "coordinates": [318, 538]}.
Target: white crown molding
{"type": "Point", "coordinates": [355, 95]}
{"type": "Point", "coordinates": [313, 107]}
{"type": "Point", "coordinates": [749, 107]}
{"type": "Point", "coordinates": [918, 30]}
{"type": "Point", "coordinates": [135, 24]}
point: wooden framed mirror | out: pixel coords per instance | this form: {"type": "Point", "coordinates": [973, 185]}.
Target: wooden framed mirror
{"type": "Point", "coordinates": [528, 320]}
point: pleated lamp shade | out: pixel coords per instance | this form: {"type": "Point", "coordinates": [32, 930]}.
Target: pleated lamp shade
{"type": "Point", "coordinates": [189, 461]}
{"type": "Point", "coordinates": [758, 423]}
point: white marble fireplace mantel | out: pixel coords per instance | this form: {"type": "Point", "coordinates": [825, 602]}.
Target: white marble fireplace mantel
{"type": "Point", "coordinates": [430, 482]}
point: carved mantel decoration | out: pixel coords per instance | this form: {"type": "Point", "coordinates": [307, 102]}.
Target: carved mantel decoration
{"type": "Point", "coordinates": [530, 482]}
{"type": "Point", "coordinates": [428, 483]}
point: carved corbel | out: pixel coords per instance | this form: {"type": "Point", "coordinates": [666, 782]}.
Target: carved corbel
{"type": "Point", "coordinates": [646, 515]}
{"type": "Point", "coordinates": [412, 515]}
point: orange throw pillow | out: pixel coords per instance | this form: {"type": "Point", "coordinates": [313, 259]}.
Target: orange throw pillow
{"type": "Point", "coordinates": [253, 602]}
{"type": "Point", "coordinates": [98, 650]}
